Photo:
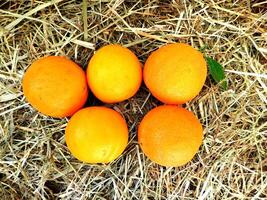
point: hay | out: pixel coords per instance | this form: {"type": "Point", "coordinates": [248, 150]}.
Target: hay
{"type": "Point", "coordinates": [232, 162]}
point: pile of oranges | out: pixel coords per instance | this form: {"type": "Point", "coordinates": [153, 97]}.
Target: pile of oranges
{"type": "Point", "coordinates": [168, 134]}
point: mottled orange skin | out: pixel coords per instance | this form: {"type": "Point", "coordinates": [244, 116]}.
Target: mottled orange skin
{"type": "Point", "coordinates": [114, 74]}
{"type": "Point", "coordinates": [170, 135]}
{"type": "Point", "coordinates": [55, 86]}
{"type": "Point", "coordinates": [96, 135]}
{"type": "Point", "coordinates": [175, 73]}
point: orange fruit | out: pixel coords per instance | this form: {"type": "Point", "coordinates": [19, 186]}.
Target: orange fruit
{"type": "Point", "coordinates": [175, 73]}
{"type": "Point", "coordinates": [96, 135]}
{"type": "Point", "coordinates": [55, 86]}
{"type": "Point", "coordinates": [170, 135]}
{"type": "Point", "coordinates": [114, 73]}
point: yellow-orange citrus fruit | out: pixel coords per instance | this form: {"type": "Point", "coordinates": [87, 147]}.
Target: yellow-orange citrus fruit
{"type": "Point", "coordinates": [96, 135]}
{"type": "Point", "coordinates": [170, 135]}
{"type": "Point", "coordinates": [175, 73]}
{"type": "Point", "coordinates": [55, 86]}
{"type": "Point", "coordinates": [114, 73]}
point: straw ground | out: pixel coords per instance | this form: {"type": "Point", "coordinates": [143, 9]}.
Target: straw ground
{"type": "Point", "coordinates": [232, 162]}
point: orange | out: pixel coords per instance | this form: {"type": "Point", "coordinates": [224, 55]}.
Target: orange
{"type": "Point", "coordinates": [96, 135]}
{"type": "Point", "coordinates": [170, 135]}
{"type": "Point", "coordinates": [55, 86]}
{"type": "Point", "coordinates": [175, 73]}
{"type": "Point", "coordinates": [114, 73]}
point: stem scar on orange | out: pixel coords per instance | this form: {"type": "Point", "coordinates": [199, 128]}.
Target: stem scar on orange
{"type": "Point", "coordinates": [170, 135]}
{"type": "Point", "coordinates": [175, 73]}
{"type": "Point", "coordinates": [55, 86]}
{"type": "Point", "coordinates": [96, 135]}
{"type": "Point", "coordinates": [114, 73]}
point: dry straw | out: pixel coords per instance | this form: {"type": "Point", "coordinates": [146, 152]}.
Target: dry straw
{"type": "Point", "coordinates": [232, 162]}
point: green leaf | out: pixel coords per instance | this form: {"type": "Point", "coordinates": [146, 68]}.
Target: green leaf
{"type": "Point", "coordinates": [217, 72]}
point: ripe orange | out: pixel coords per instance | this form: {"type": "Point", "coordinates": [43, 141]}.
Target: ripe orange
{"type": "Point", "coordinates": [55, 86]}
{"type": "Point", "coordinates": [96, 135]}
{"type": "Point", "coordinates": [175, 73]}
{"type": "Point", "coordinates": [170, 135]}
{"type": "Point", "coordinates": [114, 74]}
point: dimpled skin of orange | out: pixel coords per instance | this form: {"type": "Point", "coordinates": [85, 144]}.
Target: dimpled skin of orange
{"type": "Point", "coordinates": [96, 135]}
{"type": "Point", "coordinates": [170, 135]}
{"type": "Point", "coordinates": [114, 73]}
{"type": "Point", "coordinates": [175, 73]}
{"type": "Point", "coordinates": [55, 86]}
